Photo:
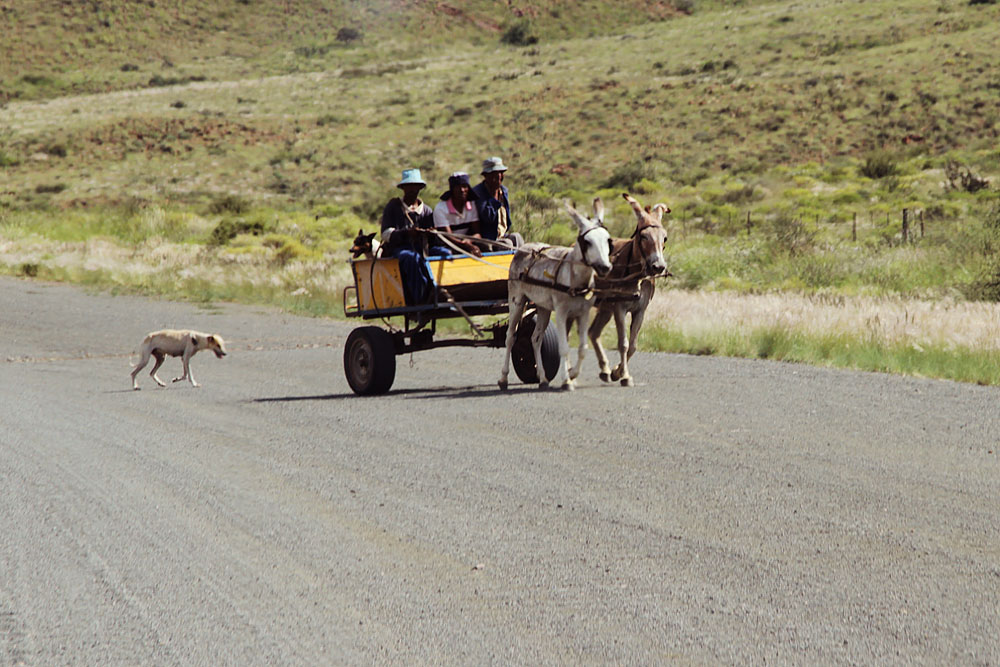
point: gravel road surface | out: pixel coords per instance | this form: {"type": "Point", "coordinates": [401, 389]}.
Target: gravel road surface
{"type": "Point", "coordinates": [721, 512]}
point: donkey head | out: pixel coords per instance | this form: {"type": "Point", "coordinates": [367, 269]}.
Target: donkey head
{"type": "Point", "coordinates": [649, 236]}
{"type": "Point", "coordinates": [593, 239]}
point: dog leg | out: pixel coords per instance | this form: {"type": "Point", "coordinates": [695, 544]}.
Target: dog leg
{"type": "Point", "coordinates": [159, 362]}
{"type": "Point", "coordinates": [143, 360]}
{"type": "Point", "coordinates": [186, 360]}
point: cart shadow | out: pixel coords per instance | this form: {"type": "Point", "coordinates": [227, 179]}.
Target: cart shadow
{"type": "Point", "coordinates": [423, 393]}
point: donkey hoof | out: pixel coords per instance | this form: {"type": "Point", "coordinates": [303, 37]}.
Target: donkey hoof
{"type": "Point", "coordinates": [616, 375]}
{"type": "Point", "coordinates": [605, 377]}
{"type": "Point", "coordinates": [502, 384]}
{"type": "Point", "coordinates": [543, 385]}
{"type": "Point", "coordinates": [569, 386]}
{"type": "Point", "coordinates": [626, 382]}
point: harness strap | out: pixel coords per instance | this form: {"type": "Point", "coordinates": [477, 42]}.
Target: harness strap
{"type": "Point", "coordinates": [572, 291]}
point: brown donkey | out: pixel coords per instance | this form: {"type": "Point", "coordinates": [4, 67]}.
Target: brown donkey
{"type": "Point", "coordinates": [629, 287]}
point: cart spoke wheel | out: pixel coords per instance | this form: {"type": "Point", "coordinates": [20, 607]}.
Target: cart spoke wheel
{"type": "Point", "coordinates": [369, 361]}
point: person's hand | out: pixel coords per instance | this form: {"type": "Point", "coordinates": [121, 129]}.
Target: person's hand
{"type": "Point", "coordinates": [471, 248]}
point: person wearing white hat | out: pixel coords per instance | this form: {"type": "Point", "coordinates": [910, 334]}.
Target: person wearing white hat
{"type": "Point", "coordinates": [404, 221]}
{"type": "Point", "coordinates": [493, 204]}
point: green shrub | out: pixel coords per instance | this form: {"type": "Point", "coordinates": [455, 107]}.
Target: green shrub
{"type": "Point", "coordinates": [229, 204]}
{"type": "Point", "coordinates": [519, 34]}
{"type": "Point", "coordinates": [349, 35]}
{"type": "Point", "coordinates": [879, 165]}
{"type": "Point", "coordinates": [630, 174]}
{"type": "Point", "coordinates": [229, 229]}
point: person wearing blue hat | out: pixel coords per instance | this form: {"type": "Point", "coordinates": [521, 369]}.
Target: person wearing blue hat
{"type": "Point", "coordinates": [493, 204]}
{"type": "Point", "coordinates": [405, 224]}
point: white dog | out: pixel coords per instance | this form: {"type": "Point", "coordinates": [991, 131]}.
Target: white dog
{"type": "Point", "coordinates": [176, 343]}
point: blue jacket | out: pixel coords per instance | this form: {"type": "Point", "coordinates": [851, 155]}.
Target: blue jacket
{"type": "Point", "coordinates": [489, 210]}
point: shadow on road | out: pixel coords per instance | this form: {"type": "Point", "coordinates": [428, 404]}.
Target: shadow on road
{"type": "Point", "coordinates": [423, 393]}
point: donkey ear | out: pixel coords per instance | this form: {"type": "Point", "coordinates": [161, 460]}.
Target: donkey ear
{"type": "Point", "coordinates": [579, 219]}
{"type": "Point", "coordinates": [598, 209]}
{"type": "Point", "coordinates": [636, 206]}
{"type": "Point", "coordinates": [659, 209]}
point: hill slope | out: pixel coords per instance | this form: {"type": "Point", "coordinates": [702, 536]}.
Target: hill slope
{"type": "Point", "coordinates": [730, 91]}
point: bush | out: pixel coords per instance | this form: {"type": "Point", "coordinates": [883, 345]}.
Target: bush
{"type": "Point", "coordinates": [878, 165]}
{"type": "Point", "coordinates": [229, 204]}
{"type": "Point", "coordinates": [227, 230]}
{"type": "Point", "coordinates": [519, 34]}
{"type": "Point", "coordinates": [630, 174]}
{"type": "Point", "coordinates": [790, 234]}
{"type": "Point", "coordinates": [348, 35]}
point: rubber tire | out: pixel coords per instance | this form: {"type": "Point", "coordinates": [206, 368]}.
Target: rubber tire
{"type": "Point", "coordinates": [523, 357]}
{"type": "Point", "coordinates": [370, 361]}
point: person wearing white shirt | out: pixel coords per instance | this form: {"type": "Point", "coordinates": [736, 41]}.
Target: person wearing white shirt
{"type": "Point", "coordinates": [456, 214]}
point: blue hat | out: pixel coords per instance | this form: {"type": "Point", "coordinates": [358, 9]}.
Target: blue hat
{"type": "Point", "coordinates": [411, 177]}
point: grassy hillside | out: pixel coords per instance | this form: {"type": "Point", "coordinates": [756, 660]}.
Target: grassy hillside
{"type": "Point", "coordinates": [231, 149]}
{"type": "Point", "coordinates": [52, 47]}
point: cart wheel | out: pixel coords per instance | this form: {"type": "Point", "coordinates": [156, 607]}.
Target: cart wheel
{"type": "Point", "coordinates": [523, 357]}
{"type": "Point", "coordinates": [370, 361]}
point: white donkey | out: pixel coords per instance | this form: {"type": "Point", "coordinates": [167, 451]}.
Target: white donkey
{"type": "Point", "coordinates": [629, 287]}
{"type": "Point", "coordinates": [558, 280]}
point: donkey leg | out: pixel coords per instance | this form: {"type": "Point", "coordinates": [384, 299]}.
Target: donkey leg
{"type": "Point", "coordinates": [581, 326]}
{"type": "Point", "coordinates": [633, 337]}
{"type": "Point", "coordinates": [646, 290]}
{"type": "Point", "coordinates": [562, 378]}
{"type": "Point", "coordinates": [621, 370]}
{"type": "Point", "coordinates": [516, 310]}
{"type": "Point", "coordinates": [596, 327]}
{"type": "Point", "coordinates": [541, 324]}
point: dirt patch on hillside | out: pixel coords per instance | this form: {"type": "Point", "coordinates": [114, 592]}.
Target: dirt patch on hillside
{"type": "Point", "coordinates": [174, 136]}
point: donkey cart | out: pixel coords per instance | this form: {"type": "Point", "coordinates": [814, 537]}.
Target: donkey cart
{"type": "Point", "coordinates": [466, 287]}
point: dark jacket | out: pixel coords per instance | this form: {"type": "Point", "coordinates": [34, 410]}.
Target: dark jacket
{"type": "Point", "coordinates": [489, 210]}
{"type": "Point", "coordinates": [395, 217]}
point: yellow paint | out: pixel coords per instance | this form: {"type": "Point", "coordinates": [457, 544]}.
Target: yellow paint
{"type": "Point", "coordinates": [380, 286]}
{"type": "Point", "coordinates": [466, 270]}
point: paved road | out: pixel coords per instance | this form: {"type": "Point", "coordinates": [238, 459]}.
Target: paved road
{"type": "Point", "coordinates": [721, 512]}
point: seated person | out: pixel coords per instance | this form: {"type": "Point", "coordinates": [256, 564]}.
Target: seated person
{"type": "Point", "coordinates": [406, 225]}
{"type": "Point", "coordinates": [493, 204]}
{"type": "Point", "coordinates": [455, 214]}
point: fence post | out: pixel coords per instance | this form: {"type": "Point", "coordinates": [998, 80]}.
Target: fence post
{"type": "Point", "coordinates": [906, 225]}
{"type": "Point", "coordinates": [854, 229]}
{"type": "Point", "coordinates": [921, 224]}
{"type": "Point", "coordinates": [748, 223]}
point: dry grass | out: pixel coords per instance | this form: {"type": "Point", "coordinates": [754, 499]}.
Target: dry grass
{"type": "Point", "coordinates": [201, 273]}
{"type": "Point", "coordinates": [889, 321]}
